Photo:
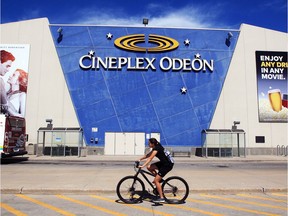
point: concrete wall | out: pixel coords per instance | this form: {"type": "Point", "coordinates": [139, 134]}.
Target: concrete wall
{"type": "Point", "coordinates": [47, 95]}
{"type": "Point", "coordinates": [238, 100]}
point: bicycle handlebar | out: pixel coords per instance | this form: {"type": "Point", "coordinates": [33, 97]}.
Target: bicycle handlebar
{"type": "Point", "coordinates": [137, 163]}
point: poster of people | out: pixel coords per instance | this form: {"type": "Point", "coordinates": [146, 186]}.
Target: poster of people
{"type": "Point", "coordinates": [14, 78]}
{"type": "Point", "coordinates": [272, 86]}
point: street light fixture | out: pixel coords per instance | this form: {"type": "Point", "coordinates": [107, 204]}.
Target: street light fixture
{"type": "Point", "coordinates": [49, 125]}
{"type": "Point", "coordinates": [235, 123]}
{"type": "Point", "coordinates": [145, 21]}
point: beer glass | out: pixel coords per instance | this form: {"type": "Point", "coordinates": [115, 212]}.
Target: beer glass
{"type": "Point", "coordinates": [275, 99]}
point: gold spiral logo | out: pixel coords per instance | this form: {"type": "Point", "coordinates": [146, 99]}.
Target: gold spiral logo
{"type": "Point", "coordinates": [163, 43]}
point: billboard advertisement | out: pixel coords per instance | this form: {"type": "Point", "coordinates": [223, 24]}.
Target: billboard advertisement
{"type": "Point", "coordinates": [272, 86]}
{"type": "Point", "coordinates": [14, 78]}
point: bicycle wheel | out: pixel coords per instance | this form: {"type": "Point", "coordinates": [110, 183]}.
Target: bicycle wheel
{"type": "Point", "coordinates": [130, 189]}
{"type": "Point", "coordinates": [175, 190]}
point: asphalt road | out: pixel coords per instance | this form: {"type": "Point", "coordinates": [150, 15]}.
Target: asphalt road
{"type": "Point", "coordinates": [48, 175]}
{"type": "Point", "coordinates": [86, 186]}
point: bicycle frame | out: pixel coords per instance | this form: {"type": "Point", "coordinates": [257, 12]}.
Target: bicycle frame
{"type": "Point", "coordinates": [143, 172]}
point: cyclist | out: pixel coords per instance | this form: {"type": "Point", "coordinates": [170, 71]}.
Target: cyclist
{"type": "Point", "coordinates": [164, 165]}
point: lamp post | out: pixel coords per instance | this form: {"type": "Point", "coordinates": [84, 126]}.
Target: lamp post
{"type": "Point", "coordinates": [234, 128]}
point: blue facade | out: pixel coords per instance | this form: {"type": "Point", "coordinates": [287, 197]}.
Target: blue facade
{"type": "Point", "coordinates": [150, 101]}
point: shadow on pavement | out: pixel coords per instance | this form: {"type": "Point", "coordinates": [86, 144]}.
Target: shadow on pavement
{"type": "Point", "coordinates": [11, 160]}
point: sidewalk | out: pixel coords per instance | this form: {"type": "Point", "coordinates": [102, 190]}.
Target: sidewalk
{"type": "Point", "coordinates": [100, 174]}
{"type": "Point", "coordinates": [178, 159]}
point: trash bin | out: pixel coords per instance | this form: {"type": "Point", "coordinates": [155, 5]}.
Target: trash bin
{"type": "Point", "coordinates": [30, 149]}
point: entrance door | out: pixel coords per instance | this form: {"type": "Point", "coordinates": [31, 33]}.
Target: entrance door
{"type": "Point", "coordinates": [124, 143]}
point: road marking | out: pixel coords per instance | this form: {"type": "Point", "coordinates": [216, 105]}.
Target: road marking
{"type": "Point", "coordinates": [133, 206]}
{"type": "Point", "coordinates": [12, 210]}
{"type": "Point", "coordinates": [277, 194]}
{"type": "Point", "coordinates": [61, 211]}
{"type": "Point", "coordinates": [231, 207]}
{"type": "Point", "coordinates": [90, 205]}
{"type": "Point", "coordinates": [193, 209]}
{"type": "Point", "coordinates": [244, 201]}
{"type": "Point", "coordinates": [262, 198]}
{"type": "Point", "coordinates": [161, 213]}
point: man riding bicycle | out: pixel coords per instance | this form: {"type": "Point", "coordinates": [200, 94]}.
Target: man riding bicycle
{"type": "Point", "coordinates": [164, 165]}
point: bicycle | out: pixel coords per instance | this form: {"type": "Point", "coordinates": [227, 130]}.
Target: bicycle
{"type": "Point", "coordinates": [131, 189]}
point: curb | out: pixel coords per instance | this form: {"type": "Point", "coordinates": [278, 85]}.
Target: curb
{"type": "Point", "coordinates": [131, 160]}
{"type": "Point", "coordinates": [89, 192]}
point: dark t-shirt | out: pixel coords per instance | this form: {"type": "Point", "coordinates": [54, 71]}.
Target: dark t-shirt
{"type": "Point", "coordinates": [161, 155]}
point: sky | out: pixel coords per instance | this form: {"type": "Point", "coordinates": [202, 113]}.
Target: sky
{"type": "Point", "coordinates": [223, 14]}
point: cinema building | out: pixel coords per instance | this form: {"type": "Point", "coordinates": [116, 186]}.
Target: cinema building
{"type": "Point", "coordinates": [222, 92]}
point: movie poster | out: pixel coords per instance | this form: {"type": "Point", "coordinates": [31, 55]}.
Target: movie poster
{"type": "Point", "coordinates": [14, 78]}
{"type": "Point", "coordinates": [272, 86]}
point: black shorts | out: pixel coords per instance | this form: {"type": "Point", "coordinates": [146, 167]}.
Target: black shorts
{"type": "Point", "coordinates": [163, 168]}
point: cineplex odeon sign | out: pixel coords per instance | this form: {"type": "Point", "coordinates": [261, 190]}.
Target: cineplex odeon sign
{"type": "Point", "coordinates": [162, 44]}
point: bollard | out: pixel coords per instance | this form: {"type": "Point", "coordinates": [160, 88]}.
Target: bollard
{"type": "Point", "coordinates": [278, 150]}
{"type": "Point", "coordinates": [282, 150]}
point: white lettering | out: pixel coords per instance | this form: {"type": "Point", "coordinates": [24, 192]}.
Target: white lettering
{"type": "Point", "coordinates": [85, 67]}
{"type": "Point", "coordinates": [87, 62]}
{"type": "Point", "coordinates": [210, 66]}
{"type": "Point", "coordinates": [101, 62]}
{"type": "Point", "coordinates": [130, 67]}
{"type": "Point", "coordinates": [187, 65]}
{"type": "Point", "coordinates": [271, 58]}
{"type": "Point", "coordinates": [112, 63]}
{"type": "Point", "coordinates": [273, 76]}
{"type": "Point", "coordinates": [276, 70]}
{"type": "Point", "coordinates": [168, 62]}
{"type": "Point", "coordinates": [178, 62]}
{"type": "Point", "coordinates": [122, 62]}
{"type": "Point", "coordinates": [140, 63]}
{"type": "Point", "coordinates": [150, 63]}
{"type": "Point", "coordinates": [196, 62]}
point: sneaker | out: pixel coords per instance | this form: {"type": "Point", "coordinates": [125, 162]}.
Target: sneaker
{"type": "Point", "coordinates": [159, 200]}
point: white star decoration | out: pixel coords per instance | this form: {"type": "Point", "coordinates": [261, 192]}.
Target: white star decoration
{"type": "Point", "coordinates": [109, 36]}
{"type": "Point", "coordinates": [183, 90]}
{"type": "Point", "coordinates": [187, 42]}
{"type": "Point", "coordinates": [197, 55]}
{"type": "Point", "coordinates": [91, 53]}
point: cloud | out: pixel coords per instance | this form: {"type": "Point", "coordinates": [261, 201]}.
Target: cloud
{"type": "Point", "coordinates": [107, 19]}
{"type": "Point", "coordinates": [188, 17]}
